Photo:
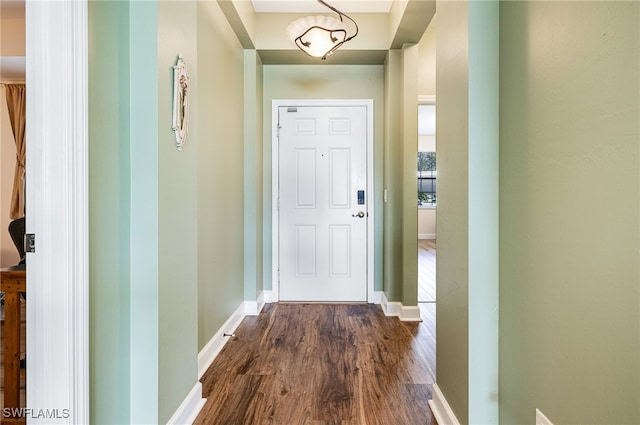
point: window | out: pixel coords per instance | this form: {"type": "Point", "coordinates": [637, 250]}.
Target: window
{"type": "Point", "coordinates": [427, 178]}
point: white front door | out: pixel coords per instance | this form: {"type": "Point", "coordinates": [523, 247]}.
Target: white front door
{"type": "Point", "coordinates": [323, 206]}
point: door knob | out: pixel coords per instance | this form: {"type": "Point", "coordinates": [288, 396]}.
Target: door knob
{"type": "Point", "coordinates": [359, 214]}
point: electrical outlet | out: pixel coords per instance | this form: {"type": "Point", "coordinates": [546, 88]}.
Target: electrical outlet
{"type": "Point", "coordinates": [541, 419]}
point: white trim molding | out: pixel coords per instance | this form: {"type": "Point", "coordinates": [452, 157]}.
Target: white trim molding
{"type": "Point", "coordinates": [218, 340]}
{"type": "Point", "coordinates": [270, 297]}
{"type": "Point", "coordinates": [275, 104]}
{"type": "Point", "coordinates": [426, 235]}
{"type": "Point", "coordinates": [57, 273]}
{"type": "Point", "coordinates": [190, 407]}
{"type": "Point", "coordinates": [390, 308]}
{"type": "Point", "coordinates": [253, 308]}
{"type": "Point", "coordinates": [395, 308]}
{"type": "Point", "coordinates": [376, 297]}
{"type": "Point", "coordinates": [410, 313]}
{"type": "Point", "coordinates": [441, 409]}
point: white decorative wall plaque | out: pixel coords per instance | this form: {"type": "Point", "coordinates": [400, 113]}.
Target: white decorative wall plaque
{"type": "Point", "coordinates": [180, 123]}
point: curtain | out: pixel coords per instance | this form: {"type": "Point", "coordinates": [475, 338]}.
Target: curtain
{"type": "Point", "coordinates": [16, 103]}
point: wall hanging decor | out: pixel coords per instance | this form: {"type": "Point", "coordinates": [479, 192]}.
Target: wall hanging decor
{"type": "Point", "coordinates": [180, 124]}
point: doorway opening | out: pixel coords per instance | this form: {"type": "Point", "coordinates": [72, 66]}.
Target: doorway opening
{"type": "Point", "coordinates": [427, 200]}
{"type": "Point", "coordinates": [12, 217]}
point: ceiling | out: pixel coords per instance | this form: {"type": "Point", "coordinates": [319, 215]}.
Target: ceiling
{"type": "Point", "coordinates": [383, 25]}
{"type": "Point", "coordinates": [391, 22]}
{"type": "Point", "coordinates": [12, 9]}
{"type": "Point", "coordinates": [313, 6]}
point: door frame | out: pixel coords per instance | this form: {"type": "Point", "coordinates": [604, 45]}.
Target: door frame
{"type": "Point", "coordinates": [57, 190]}
{"type": "Point", "coordinates": [275, 189]}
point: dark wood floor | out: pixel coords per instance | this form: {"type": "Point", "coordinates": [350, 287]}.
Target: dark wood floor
{"type": "Point", "coordinates": [426, 270]}
{"type": "Point", "coordinates": [323, 364]}
{"type": "Point", "coordinates": [23, 397]}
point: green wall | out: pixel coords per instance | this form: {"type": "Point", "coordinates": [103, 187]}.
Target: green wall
{"type": "Point", "coordinates": [144, 167]}
{"type": "Point", "coordinates": [166, 227]}
{"type": "Point", "coordinates": [409, 127]}
{"type": "Point", "coordinates": [393, 176]}
{"type": "Point", "coordinates": [427, 58]}
{"type": "Point", "coordinates": [483, 211]}
{"type": "Point", "coordinates": [453, 207]}
{"type": "Point", "coordinates": [253, 116]}
{"type": "Point", "coordinates": [177, 211]}
{"type": "Point", "coordinates": [408, 73]}
{"type": "Point", "coordinates": [220, 167]}
{"type": "Point", "coordinates": [569, 212]}
{"type": "Point", "coordinates": [401, 75]}
{"type": "Point", "coordinates": [324, 82]}
{"type": "Point", "coordinates": [109, 209]}
{"type": "Point", "coordinates": [467, 224]}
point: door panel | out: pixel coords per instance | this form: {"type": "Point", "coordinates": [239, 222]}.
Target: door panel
{"type": "Point", "coordinates": [339, 178]}
{"type": "Point", "coordinates": [323, 240]}
{"type": "Point", "coordinates": [305, 251]}
{"type": "Point", "coordinates": [305, 178]}
{"type": "Point", "coordinates": [339, 249]}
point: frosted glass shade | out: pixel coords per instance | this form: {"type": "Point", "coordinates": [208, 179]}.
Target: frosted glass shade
{"type": "Point", "coordinates": [317, 35]}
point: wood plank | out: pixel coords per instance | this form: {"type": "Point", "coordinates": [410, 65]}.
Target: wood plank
{"type": "Point", "coordinates": [426, 270]}
{"type": "Point", "coordinates": [20, 421]}
{"type": "Point", "coordinates": [12, 282]}
{"type": "Point", "coordinates": [12, 350]}
{"type": "Point", "coordinates": [322, 364]}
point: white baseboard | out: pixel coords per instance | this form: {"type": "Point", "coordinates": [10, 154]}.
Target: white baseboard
{"type": "Point", "coordinates": [215, 344]}
{"type": "Point", "coordinates": [426, 235]}
{"type": "Point", "coordinates": [410, 314]}
{"type": "Point", "coordinates": [253, 308]}
{"type": "Point", "coordinates": [376, 297]}
{"type": "Point", "coordinates": [190, 407]}
{"type": "Point", "coordinates": [269, 297]}
{"type": "Point", "coordinates": [390, 308]}
{"type": "Point", "coordinates": [394, 308]}
{"type": "Point", "coordinates": [441, 409]}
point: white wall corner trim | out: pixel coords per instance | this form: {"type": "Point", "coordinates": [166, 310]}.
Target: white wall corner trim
{"type": "Point", "coordinates": [269, 297]}
{"type": "Point", "coordinates": [218, 340]}
{"type": "Point", "coordinates": [375, 297]}
{"type": "Point", "coordinates": [410, 314]}
{"type": "Point", "coordinates": [441, 409]}
{"type": "Point", "coordinates": [190, 407]}
{"type": "Point", "coordinates": [253, 308]}
{"type": "Point", "coordinates": [390, 308]}
{"type": "Point", "coordinates": [404, 313]}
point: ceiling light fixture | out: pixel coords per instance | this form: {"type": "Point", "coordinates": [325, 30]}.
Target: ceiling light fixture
{"type": "Point", "coordinates": [320, 36]}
